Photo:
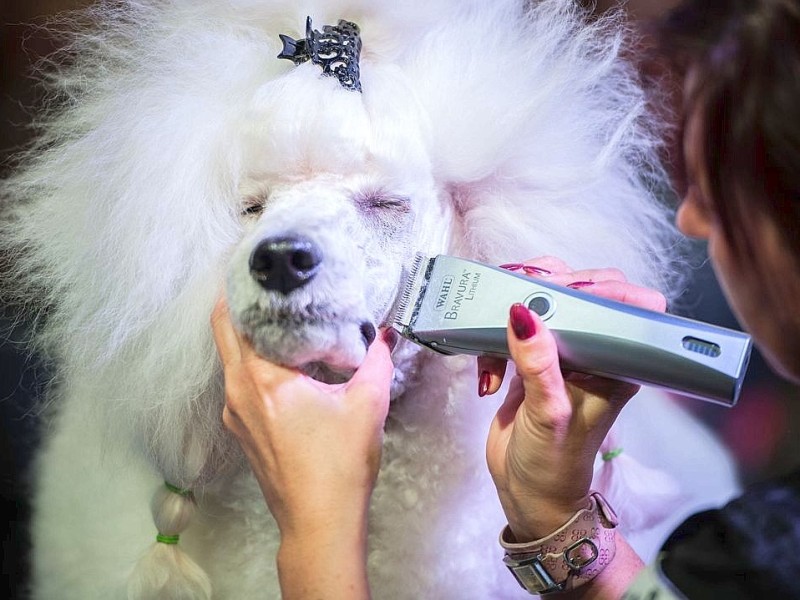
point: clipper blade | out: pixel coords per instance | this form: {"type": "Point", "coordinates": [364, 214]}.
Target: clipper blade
{"type": "Point", "coordinates": [413, 289]}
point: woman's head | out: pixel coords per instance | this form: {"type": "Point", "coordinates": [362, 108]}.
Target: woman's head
{"type": "Point", "coordinates": [740, 62]}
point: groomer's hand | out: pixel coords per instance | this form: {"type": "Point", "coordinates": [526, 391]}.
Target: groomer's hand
{"type": "Point", "coordinates": [544, 438]}
{"type": "Point", "coordinates": [315, 448]}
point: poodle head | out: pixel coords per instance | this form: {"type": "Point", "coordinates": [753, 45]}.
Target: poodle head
{"type": "Point", "coordinates": [336, 198]}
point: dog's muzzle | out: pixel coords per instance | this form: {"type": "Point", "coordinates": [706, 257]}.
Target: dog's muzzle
{"type": "Point", "coordinates": [284, 264]}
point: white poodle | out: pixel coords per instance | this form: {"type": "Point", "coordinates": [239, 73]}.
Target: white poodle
{"type": "Point", "coordinates": [179, 157]}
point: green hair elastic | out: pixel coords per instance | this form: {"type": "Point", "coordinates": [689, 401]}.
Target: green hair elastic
{"type": "Point", "coordinates": [176, 490]}
{"type": "Point", "coordinates": [611, 454]}
{"type": "Point", "coordinates": [167, 539]}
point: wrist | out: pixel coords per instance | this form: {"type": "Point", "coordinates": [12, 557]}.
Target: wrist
{"type": "Point", "coordinates": [531, 518]}
{"type": "Point", "coordinates": [304, 545]}
{"type": "Point", "coordinates": [316, 506]}
{"type": "Point", "coordinates": [325, 562]}
{"type": "Point", "coordinates": [324, 521]}
{"type": "Point", "coordinates": [569, 556]}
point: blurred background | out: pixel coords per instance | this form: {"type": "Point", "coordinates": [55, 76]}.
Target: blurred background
{"type": "Point", "coordinates": [22, 45]}
{"type": "Point", "coordinates": [761, 430]}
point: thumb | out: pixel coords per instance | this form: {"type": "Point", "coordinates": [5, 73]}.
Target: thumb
{"type": "Point", "coordinates": [534, 352]}
{"type": "Point", "coordinates": [377, 367]}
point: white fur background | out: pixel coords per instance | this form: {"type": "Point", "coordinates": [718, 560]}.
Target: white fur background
{"type": "Point", "coordinates": [507, 131]}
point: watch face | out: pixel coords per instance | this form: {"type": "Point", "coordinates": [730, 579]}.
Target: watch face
{"type": "Point", "coordinates": [531, 575]}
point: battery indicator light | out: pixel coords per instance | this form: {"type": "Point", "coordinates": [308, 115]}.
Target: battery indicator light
{"type": "Point", "coordinates": [703, 347]}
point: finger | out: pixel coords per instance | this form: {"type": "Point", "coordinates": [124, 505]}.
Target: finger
{"type": "Point", "coordinates": [508, 410]}
{"type": "Point", "coordinates": [616, 392]}
{"type": "Point", "coordinates": [233, 348]}
{"type": "Point", "coordinates": [491, 371]}
{"type": "Point", "coordinates": [225, 336]}
{"type": "Point", "coordinates": [533, 349]}
{"type": "Point", "coordinates": [374, 376]}
{"type": "Point", "coordinates": [588, 276]}
{"type": "Point", "coordinates": [626, 292]}
{"type": "Point", "coordinates": [541, 266]}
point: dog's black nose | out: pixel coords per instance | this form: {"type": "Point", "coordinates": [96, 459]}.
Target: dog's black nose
{"type": "Point", "coordinates": [284, 264]}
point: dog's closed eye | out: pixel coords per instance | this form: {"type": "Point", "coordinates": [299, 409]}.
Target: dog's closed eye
{"type": "Point", "coordinates": [383, 201]}
{"type": "Point", "coordinates": [253, 207]}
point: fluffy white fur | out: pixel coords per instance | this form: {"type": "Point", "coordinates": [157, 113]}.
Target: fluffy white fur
{"type": "Point", "coordinates": [484, 129]}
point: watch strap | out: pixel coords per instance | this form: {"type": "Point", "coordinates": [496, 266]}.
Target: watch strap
{"type": "Point", "coordinates": [570, 556]}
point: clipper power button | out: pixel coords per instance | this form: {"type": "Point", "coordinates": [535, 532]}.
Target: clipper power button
{"type": "Point", "coordinates": [542, 304]}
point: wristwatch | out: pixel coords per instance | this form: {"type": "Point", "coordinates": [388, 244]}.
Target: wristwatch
{"type": "Point", "coordinates": [570, 556]}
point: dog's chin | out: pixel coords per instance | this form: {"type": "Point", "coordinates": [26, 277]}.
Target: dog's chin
{"type": "Point", "coordinates": [327, 352]}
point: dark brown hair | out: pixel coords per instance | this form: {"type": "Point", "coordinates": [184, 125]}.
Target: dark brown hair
{"type": "Point", "coordinates": [745, 55]}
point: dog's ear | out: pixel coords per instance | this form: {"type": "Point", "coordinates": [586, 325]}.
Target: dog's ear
{"type": "Point", "coordinates": [549, 146]}
{"type": "Point", "coordinates": [615, 221]}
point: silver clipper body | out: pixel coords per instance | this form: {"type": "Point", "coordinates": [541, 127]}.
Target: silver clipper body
{"type": "Point", "coordinates": [458, 306]}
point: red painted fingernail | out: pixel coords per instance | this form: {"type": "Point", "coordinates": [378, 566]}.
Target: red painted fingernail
{"type": "Point", "coordinates": [576, 285]}
{"type": "Point", "coordinates": [512, 266]}
{"type": "Point", "coordinates": [522, 322]}
{"type": "Point", "coordinates": [531, 270]}
{"type": "Point", "coordinates": [484, 381]}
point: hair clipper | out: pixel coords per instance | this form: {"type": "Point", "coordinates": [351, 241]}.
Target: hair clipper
{"type": "Point", "coordinates": [458, 306]}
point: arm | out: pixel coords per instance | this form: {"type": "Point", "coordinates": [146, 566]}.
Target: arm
{"type": "Point", "coordinates": [315, 450]}
{"type": "Point", "coordinates": [545, 436]}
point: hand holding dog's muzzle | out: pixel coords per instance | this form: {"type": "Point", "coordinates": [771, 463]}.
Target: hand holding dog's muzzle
{"type": "Point", "coordinates": [314, 447]}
